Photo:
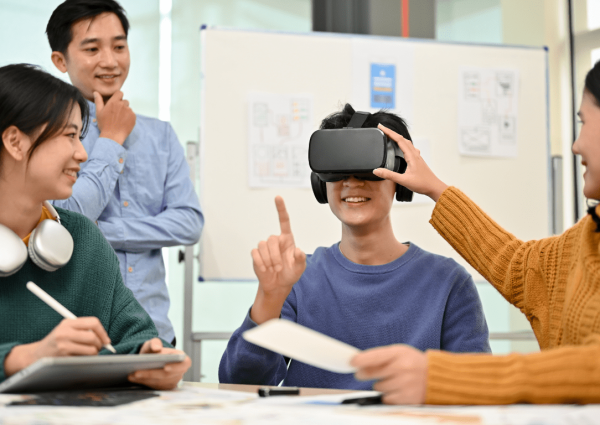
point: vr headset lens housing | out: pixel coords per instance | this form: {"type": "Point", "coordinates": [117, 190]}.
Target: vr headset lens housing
{"type": "Point", "coordinates": [340, 153]}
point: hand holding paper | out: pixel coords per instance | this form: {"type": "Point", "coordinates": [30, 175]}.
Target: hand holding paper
{"type": "Point", "coordinates": [303, 344]}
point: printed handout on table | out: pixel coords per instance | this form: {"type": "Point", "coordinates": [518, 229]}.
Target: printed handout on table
{"type": "Point", "coordinates": [279, 129]}
{"type": "Point", "coordinates": [487, 112]}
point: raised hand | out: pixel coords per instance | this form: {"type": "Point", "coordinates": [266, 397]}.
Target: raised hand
{"type": "Point", "coordinates": [115, 118]}
{"type": "Point", "coordinates": [418, 177]}
{"type": "Point", "coordinates": [165, 378]}
{"type": "Point", "coordinates": [278, 265]}
{"type": "Point", "coordinates": [84, 336]}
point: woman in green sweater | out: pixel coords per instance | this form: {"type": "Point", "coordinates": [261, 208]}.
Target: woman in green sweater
{"type": "Point", "coordinates": [40, 125]}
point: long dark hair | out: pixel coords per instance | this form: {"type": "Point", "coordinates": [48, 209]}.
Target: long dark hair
{"type": "Point", "coordinates": [31, 98]}
{"type": "Point", "coordinates": [592, 82]}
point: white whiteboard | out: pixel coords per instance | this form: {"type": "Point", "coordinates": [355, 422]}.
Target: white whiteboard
{"type": "Point", "coordinates": [514, 191]}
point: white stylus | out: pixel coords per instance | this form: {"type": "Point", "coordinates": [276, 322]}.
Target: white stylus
{"type": "Point", "coordinates": [58, 307]}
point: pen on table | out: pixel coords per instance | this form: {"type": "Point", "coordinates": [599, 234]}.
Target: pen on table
{"type": "Point", "coordinates": [365, 401]}
{"type": "Point", "coordinates": [58, 307]}
{"type": "Point", "coordinates": [273, 391]}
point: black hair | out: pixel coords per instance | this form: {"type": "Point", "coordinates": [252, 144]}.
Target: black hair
{"type": "Point", "coordinates": [71, 11]}
{"type": "Point", "coordinates": [389, 120]}
{"type": "Point", "coordinates": [592, 82]}
{"type": "Point", "coordinates": [31, 98]}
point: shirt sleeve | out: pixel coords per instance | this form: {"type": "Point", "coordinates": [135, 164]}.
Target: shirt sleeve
{"type": "Point", "coordinates": [515, 268]}
{"type": "Point", "coordinates": [130, 326]}
{"type": "Point", "coordinates": [247, 363]}
{"type": "Point", "coordinates": [97, 179]}
{"type": "Point", "coordinates": [464, 327]}
{"type": "Point", "coordinates": [179, 223]}
{"type": "Point", "coordinates": [568, 374]}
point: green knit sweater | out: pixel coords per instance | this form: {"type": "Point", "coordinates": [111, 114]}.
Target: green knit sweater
{"type": "Point", "coordinates": [89, 285]}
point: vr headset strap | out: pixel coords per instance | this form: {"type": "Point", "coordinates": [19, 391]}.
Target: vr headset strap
{"type": "Point", "coordinates": [358, 119]}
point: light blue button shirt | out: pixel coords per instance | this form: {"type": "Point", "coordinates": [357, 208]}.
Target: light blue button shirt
{"type": "Point", "coordinates": [142, 197]}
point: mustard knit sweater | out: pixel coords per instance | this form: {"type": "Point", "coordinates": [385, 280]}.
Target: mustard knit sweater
{"type": "Point", "coordinates": [555, 282]}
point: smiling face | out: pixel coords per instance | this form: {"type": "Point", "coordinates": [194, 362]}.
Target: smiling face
{"type": "Point", "coordinates": [588, 145]}
{"type": "Point", "coordinates": [97, 58]}
{"type": "Point", "coordinates": [361, 203]}
{"type": "Point", "coordinates": [53, 166]}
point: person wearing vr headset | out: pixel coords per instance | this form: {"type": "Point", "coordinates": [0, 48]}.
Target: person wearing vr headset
{"type": "Point", "coordinates": [367, 290]}
{"type": "Point", "coordinates": [555, 282]}
{"type": "Point", "coordinates": [41, 120]}
{"type": "Point", "coordinates": [136, 184]}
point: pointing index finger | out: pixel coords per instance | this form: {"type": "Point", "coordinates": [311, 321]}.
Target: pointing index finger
{"type": "Point", "coordinates": [284, 218]}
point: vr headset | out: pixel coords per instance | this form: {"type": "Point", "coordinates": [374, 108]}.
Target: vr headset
{"type": "Point", "coordinates": [334, 155]}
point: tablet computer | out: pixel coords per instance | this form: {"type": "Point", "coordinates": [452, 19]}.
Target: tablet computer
{"type": "Point", "coordinates": [78, 372]}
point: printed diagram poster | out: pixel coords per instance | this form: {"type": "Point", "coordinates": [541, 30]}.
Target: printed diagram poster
{"type": "Point", "coordinates": [383, 76]}
{"type": "Point", "coordinates": [279, 129]}
{"type": "Point", "coordinates": [383, 86]}
{"type": "Point", "coordinates": [487, 112]}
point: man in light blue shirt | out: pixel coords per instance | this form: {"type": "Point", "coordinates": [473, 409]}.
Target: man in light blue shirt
{"type": "Point", "coordinates": [136, 182]}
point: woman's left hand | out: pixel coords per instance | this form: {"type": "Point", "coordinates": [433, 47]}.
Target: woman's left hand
{"type": "Point", "coordinates": [400, 371]}
{"type": "Point", "coordinates": [166, 378]}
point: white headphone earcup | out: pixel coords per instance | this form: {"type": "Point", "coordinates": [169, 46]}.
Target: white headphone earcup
{"type": "Point", "coordinates": [50, 246]}
{"type": "Point", "coordinates": [13, 252]}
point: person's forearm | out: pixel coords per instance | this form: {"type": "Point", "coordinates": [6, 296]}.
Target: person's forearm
{"type": "Point", "coordinates": [561, 375]}
{"type": "Point", "coordinates": [172, 227]}
{"type": "Point", "coordinates": [246, 363]}
{"type": "Point", "coordinates": [96, 182]}
{"type": "Point", "coordinates": [19, 358]}
{"type": "Point", "coordinates": [267, 306]}
{"type": "Point", "coordinates": [492, 251]}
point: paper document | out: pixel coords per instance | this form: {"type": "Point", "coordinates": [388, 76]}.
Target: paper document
{"type": "Point", "coordinates": [487, 112]}
{"type": "Point", "coordinates": [303, 344]}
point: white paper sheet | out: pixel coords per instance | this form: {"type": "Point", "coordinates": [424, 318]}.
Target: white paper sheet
{"type": "Point", "coordinates": [279, 129]}
{"type": "Point", "coordinates": [487, 112]}
{"type": "Point", "coordinates": [303, 344]}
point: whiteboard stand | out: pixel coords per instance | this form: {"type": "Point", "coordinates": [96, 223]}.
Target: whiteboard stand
{"type": "Point", "coordinates": [191, 155]}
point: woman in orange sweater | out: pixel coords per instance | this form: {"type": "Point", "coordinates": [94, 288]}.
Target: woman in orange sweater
{"type": "Point", "coordinates": [555, 282]}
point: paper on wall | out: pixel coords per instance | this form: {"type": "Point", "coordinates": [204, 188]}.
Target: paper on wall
{"type": "Point", "coordinates": [487, 112]}
{"type": "Point", "coordinates": [303, 344]}
{"type": "Point", "coordinates": [279, 129]}
{"type": "Point", "coordinates": [383, 76]}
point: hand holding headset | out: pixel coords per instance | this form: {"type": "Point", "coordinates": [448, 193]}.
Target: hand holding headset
{"type": "Point", "coordinates": [353, 151]}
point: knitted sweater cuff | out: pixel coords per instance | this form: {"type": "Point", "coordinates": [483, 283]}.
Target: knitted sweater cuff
{"type": "Point", "coordinates": [562, 375]}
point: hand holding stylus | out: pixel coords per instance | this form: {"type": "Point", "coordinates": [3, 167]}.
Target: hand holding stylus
{"type": "Point", "coordinates": [73, 336]}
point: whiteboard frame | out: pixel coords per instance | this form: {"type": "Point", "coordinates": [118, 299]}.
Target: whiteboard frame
{"type": "Point", "coordinates": [202, 134]}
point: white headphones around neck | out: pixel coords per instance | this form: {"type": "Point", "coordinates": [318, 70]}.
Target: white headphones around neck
{"type": "Point", "coordinates": [50, 246]}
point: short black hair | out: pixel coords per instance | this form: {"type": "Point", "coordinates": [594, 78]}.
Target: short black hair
{"type": "Point", "coordinates": [592, 82]}
{"type": "Point", "coordinates": [31, 98]}
{"type": "Point", "coordinates": [388, 119]}
{"type": "Point", "coordinates": [66, 14]}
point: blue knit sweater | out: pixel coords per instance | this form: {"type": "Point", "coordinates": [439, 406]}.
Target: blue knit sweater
{"type": "Point", "coordinates": [420, 299]}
